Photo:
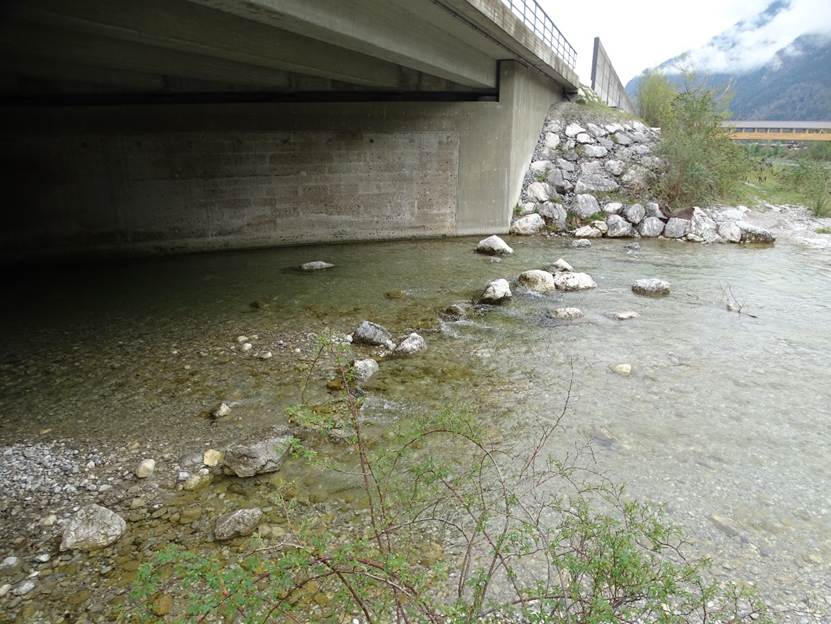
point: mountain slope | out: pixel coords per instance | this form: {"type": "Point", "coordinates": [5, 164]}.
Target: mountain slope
{"type": "Point", "coordinates": [793, 84]}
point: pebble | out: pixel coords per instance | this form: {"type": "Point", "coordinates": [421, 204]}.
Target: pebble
{"type": "Point", "coordinates": [9, 562]}
{"type": "Point", "coordinates": [24, 588]}
{"type": "Point", "coordinates": [5, 589]}
{"type": "Point", "coordinates": [49, 520]}
{"type": "Point", "coordinates": [242, 339]}
{"type": "Point", "coordinates": [43, 558]}
{"type": "Point", "coordinates": [625, 316]}
{"type": "Point", "coordinates": [266, 355]}
{"type": "Point", "coordinates": [246, 347]}
{"type": "Point", "coordinates": [211, 457]}
{"type": "Point", "coordinates": [222, 410]}
{"type": "Point", "coordinates": [145, 468]}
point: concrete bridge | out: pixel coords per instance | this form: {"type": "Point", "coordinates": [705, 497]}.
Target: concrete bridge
{"type": "Point", "coordinates": [167, 125]}
{"type": "Point", "coordinates": [779, 131]}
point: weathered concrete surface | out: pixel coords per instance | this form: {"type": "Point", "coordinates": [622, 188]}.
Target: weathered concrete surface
{"type": "Point", "coordinates": [161, 178]}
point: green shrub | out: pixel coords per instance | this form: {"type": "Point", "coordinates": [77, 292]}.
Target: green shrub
{"type": "Point", "coordinates": [812, 180]}
{"type": "Point", "coordinates": [821, 150]}
{"type": "Point", "coordinates": [703, 163]}
{"type": "Point", "coordinates": [654, 99]}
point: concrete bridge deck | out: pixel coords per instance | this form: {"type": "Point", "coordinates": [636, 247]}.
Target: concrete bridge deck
{"type": "Point", "coordinates": [198, 124]}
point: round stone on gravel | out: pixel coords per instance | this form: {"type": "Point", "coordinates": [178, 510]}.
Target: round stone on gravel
{"type": "Point", "coordinates": [651, 287]}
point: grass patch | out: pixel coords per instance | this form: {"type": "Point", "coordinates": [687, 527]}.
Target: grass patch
{"type": "Point", "coordinates": [823, 230]}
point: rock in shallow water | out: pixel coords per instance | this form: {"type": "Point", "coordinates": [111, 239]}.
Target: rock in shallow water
{"type": "Point", "coordinates": [565, 314]}
{"type": "Point", "coordinates": [574, 281]}
{"type": "Point", "coordinates": [237, 523]}
{"type": "Point", "coordinates": [677, 228]}
{"type": "Point", "coordinates": [364, 370]}
{"type": "Point", "coordinates": [626, 315]}
{"type": "Point", "coordinates": [651, 286]}
{"type": "Point", "coordinates": [247, 460]}
{"type": "Point", "coordinates": [559, 266]}
{"type": "Point", "coordinates": [413, 343]}
{"type": "Point", "coordinates": [755, 234]}
{"type": "Point", "coordinates": [145, 468]}
{"type": "Point", "coordinates": [581, 242]}
{"type": "Point", "coordinates": [316, 265]}
{"type": "Point", "coordinates": [527, 225]}
{"type": "Point", "coordinates": [493, 245]}
{"type": "Point", "coordinates": [537, 281]}
{"type": "Point", "coordinates": [730, 232]}
{"type": "Point", "coordinates": [651, 227]}
{"type": "Point", "coordinates": [372, 334]}
{"type": "Point", "coordinates": [496, 291]}
{"type": "Point", "coordinates": [93, 527]}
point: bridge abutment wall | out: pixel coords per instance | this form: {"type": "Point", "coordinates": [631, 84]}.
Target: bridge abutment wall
{"type": "Point", "coordinates": [162, 178]}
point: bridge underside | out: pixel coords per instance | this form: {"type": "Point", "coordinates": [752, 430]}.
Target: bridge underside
{"type": "Point", "coordinates": [182, 125]}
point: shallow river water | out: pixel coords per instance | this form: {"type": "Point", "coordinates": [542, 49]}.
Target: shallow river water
{"type": "Point", "coordinates": [725, 418]}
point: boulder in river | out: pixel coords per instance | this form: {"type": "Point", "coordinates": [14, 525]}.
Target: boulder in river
{"type": "Point", "coordinates": [574, 281]}
{"type": "Point", "coordinates": [493, 246]}
{"type": "Point", "coordinates": [651, 287]}
{"type": "Point", "coordinates": [364, 370]}
{"type": "Point", "coordinates": [651, 227]}
{"type": "Point", "coordinates": [587, 231]}
{"type": "Point", "coordinates": [316, 265]}
{"type": "Point", "coordinates": [624, 370]}
{"type": "Point", "coordinates": [703, 227]}
{"type": "Point", "coordinates": [527, 225]}
{"type": "Point", "coordinates": [372, 334]}
{"type": "Point", "coordinates": [413, 343]}
{"type": "Point", "coordinates": [677, 228]}
{"type": "Point", "coordinates": [237, 523]}
{"type": "Point", "coordinates": [92, 527]}
{"type": "Point", "coordinates": [565, 314]}
{"type": "Point", "coordinates": [755, 234]}
{"type": "Point", "coordinates": [581, 242]}
{"type": "Point", "coordinates": [496, 291]}
{"type": "Point", "coordinates": [537, 281]}
{"type": "Point", "coordinates": [730, 232]}
{"type": "Point", "coordinates": [626, 315]}
{"type": "Point", "coordinates": [618, 227]}
{"type": "Point", "coordinates": [560, 266]}
{"type": "Point", "coordinates": [247, 460]}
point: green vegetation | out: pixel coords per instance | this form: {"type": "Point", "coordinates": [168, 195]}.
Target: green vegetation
{"type": "Point", "coordinates": [449, 527]}
{"type": "Point", "coordinates": [813, 181]}
{"type": "Point", "coordinates": [703, 163]}
{"type": "Point", "coordinates": [823, 230]}
{"type": "Point", "coordinates": [654, 99]}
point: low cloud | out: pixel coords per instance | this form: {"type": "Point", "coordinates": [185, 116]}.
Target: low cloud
{"type": "Point", "coordinates": [754, 42]}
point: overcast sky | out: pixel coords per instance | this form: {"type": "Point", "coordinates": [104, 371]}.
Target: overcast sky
{"type": "Point", "coordinates": [643, 33]}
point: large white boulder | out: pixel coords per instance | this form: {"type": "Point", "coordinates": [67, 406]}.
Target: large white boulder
{"type": "Point", "coordinates": [703, 227]}
{"type": "Point", "coordinates": [554, 214]}
{"type": "Point", "coordinates": [634, 214]}
{"type": "Point", "coordinates": [729, 231]}
{"type": "Point", "coordinates": [527, 225]}
{"type": "Point", "coordinates": [585, 205]}
{"type": "Point", "coordinates": [573, 129]}
{"type": "Point", "coordinates": [587, 231]}
{"type": "Point", "coordinates": [538, 191]}
{"type": "Point", "coordinates": [618, 227]}
{"type": "Point", "coordinates": [651, 227]}
{"type": "Point", "coordinates": [574, 281]}
{"type": "Point", "coordinates": [537, 281]}
{"type": "Point", "coordinates": [496, 291]}
{"type": "Point", "coordinates": [677, 228]}
{"type": "Point", "coordinates": [92, 527]}
{"type": "Point", "coordinates": [559, 266]}
{"type": "Point", "coordinates": [493, 246]}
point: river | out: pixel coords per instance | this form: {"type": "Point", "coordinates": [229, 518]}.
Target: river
{"type": "Point", "coordinates": [724, 420]}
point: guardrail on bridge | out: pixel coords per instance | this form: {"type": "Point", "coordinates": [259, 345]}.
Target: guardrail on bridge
{"type": "Point", "coordinates": [536, 19]}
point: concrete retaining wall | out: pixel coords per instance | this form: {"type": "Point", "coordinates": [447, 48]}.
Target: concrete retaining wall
{"type": "Point", "coordinates": [144, 179]}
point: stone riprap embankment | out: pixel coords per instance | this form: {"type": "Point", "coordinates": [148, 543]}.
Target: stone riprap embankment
{"type": "Point", "coordinates": [594, 177]}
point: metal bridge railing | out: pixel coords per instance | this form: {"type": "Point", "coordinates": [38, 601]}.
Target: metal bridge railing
{"type": "Point", "coordinates": [533, 16]}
